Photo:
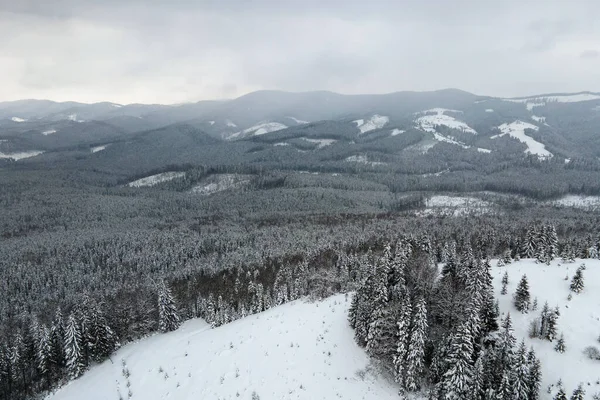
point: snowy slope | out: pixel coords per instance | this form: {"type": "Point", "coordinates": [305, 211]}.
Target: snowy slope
{"type": "Point", "coordinates": [220, 182]}
{"type": "Point", "coordinates": [579, 320]}
{"type": "Point", "coordinates": [437, 116]}
{"type": "Point", "coordinates": [375, 122]}
{"type": "Point", "coordinates": [295, 351]}
{"type": "Point", "coordinates": [396, 132]}
{"type": "Point", "coordinates": [98, 148]}
{"type": "Point", "coordinates": [21, 154]}
{"type": "Point", "coordinates": [49, 132]}
{"type": "Point", "coordinates": [517, 130]}
{"type": "Point", "coordinates": [259, 129]}
{"type": "Point", "coordinates": [17, 119]}
{"type": "Point", "coordinates": [540, 101]}
{"type": "Point", "coordinates": [155, 179]}
{"type": "Point", "coordinates": [321, 142]}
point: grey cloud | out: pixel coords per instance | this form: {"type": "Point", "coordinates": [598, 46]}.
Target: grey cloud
{"type": "Point", "coordinates": [183, 50]}
{"type": "Point", "coordinates": [590, 54]}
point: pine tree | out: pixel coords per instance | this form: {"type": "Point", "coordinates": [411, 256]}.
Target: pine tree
{"type": "Point", "coordinates": [577, 282]}
{"type": "Point", "coordinates": [44, 352]}
{"type": "Point", "coordinates": [416, 348]}
{"type": "Point", "coordinates": [504, 283]}
{"type": "Point", "coordinates": [561, 395]}
{"type": "Point", "coordinates": [504, 391]}
{"type": "Point", "coordinates": [560, 345]}
{"type": "Point", "coordinates": [578, 393]}
{"type": "Point", "coordinates": [550, 328]}
{"type": "Point", "coordinates": [478, 384]}
{"type": "Point", "coordinates": [535, 375]}
{"type": "Point", "coordinates": [522, 295]}
{"type": "Point", "coordinates": [57, 334]}
{"type": "Point", "coordinates": [168, 318]}
{"type": "Point", "coordinates": [489, 314]}
{"type": "Point", "coordinates": [520, 375]}
{"type": "Point", "coordinates": [458, 378]}
{"type": "Point", "coordinates": [73, 348]}
{"type": "Point", "coordinates": [402, 335]}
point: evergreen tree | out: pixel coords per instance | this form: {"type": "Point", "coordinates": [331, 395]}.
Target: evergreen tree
{"type": "Point", "coordinates": [521, 298]}
{"type": "Point", "coordinates": [402, 336]}
{"type": "Point", "coordinates": [504, 283]}
{"type": "Point", "coordinates": [416, 347]}
{"type": "Point", "coordinates": [504, 391]}
{"type": "Point", "coordinates": [478, 384]}
{"type": "Point", "coordinates": [578, 393]}
{"type": "Point", "coordinates": [73, 348]}
{"type": "Point", "coordinates": [551, 322]}
{"type": "Point", "coordinates": [458, 378]}
{"type": "Point", "coordinates": [560, 344]}
{"type": "Point", "coordinates": [535, 375]}
{"type": "Point", "coordinates": [168, 318]}
{"type": "Point", "coordinates": [561, 395]}
{"type": "Point", "coordinates": [577, 282]}
{"type": "Point", "coordinates": [44, 353]}
{"type": "Point", "coordinates": [520, 375]}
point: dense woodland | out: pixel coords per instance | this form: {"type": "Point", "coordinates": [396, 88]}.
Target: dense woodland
{"type": "Point", "coordinates": [88, 264]}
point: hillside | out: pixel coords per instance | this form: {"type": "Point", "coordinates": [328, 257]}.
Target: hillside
{"type": "Point", "coordinates": [298, 350]}
{"type": "Point", "coordinates": [579, 320]}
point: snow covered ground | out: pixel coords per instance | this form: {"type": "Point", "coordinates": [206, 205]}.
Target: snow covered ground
{"type": "Point", "coordinates": [375, 122]}
{"type": "Point", "coordinates": [98, 148]}
{"type": "Point", "coordinates": [156, 179]}
{"type": "Point", "coordinates": [482, 150]}
{"type": "Point", "coordinates": [579, 320]}
{"type": "Point", "coordinates": [73, 117]}
{"type": "Point", "coordinates": [259, 129]}
{"type": "Point", "coordinates": [437, 116]}
{"type": "Point", "coordinates": [541, 101]}
{"type": "Point", "coordinates": [575, 201]}
{"type": "Point", "coordinates": [49, 132]}
{"type": "Point", "coordinates": [220, 182]}
{"type": "Point", "coordinates": [17, 119]}
{"type": "Point", "coordinates": [298, 121]}
{"type": "Point", "coordinates": [295, 351]}
{"type": "Point", "coordinates": [396, 132]}
{"type": "Point", "coordinates": [517, 130]}
{"type": "Point", "coordinates": [455, 205]}
{"type": "Point", "coordinates": [321, 142]}
{"type": "Point", "coordinates": [489, 110]}
{"type": "Point", "coordinates": [21, 154]}
{"type": "Point", "coordinates": [362, 159]}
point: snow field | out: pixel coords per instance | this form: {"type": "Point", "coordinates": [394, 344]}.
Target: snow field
{"type": "Point", "coordinates": [295, 351]}
{"type": "Point", "coordinates": [21, 154]}
{"type": "Point", "coordinates": [517, 130]}
{"type": "Point", "coordinates": [579, 320]}
{"type": "Point", "coordinates": [375, 122]}
{"type": "Point", "coordinates": [155, 179]}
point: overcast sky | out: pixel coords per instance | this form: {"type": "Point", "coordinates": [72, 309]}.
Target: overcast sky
{"type": "Point", "coordinates": [182, 50]}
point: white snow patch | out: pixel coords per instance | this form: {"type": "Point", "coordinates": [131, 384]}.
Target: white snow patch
{"type": "Point", "coordinates": [517, 130]}
{"type": "Point", "coordinates": [359, 122]}
{"type": "Point", "coordinates": [294, 351]}
{"type": "Point", "coordinates": [221, 182]}
{"type": "Point", "coordinates": [396, 132]}
{"type": "Point", "coordinates": [375, 122]}
{"type": "Point", "coordinates": [567, 160]}
{"type": "Point", "coordinates": [577, 201]}
{"type": "Point", "coordinates": [481, 150]}
{"type": "Point", "coordinates": [17, 119]}
{"type": "Point", "coordinates": [230, 124]}
{"type": "Point", "coordinates": [116, 105]}
{"type": "Point", "coordinates": [156, 179]}
{"type": "Point", "coordinates": [73, 117]}
{"type": "Point", "coordinates": [579, 319]}
{"type": "Point", "coordinates": [442, 138]}
{"type": "Point", "coordinates": [428, 122]}
{"type": "Point", "coordinates": [362, 159]}
{"type": "Point", "coordinates": [259, 129]}
{"type": "Point", "coordinates": [21, 154]}
{"type": "Point", "coordinates": [3, 141]}
{"type": "Point", "coordinates": [49, 132]}
{"type": "Point", "coordinates": [281, 144]}
{"type": "Point", "coordinates": [541, 101]}
{"type": "Point", "coordinates": [211, 122]}
{"type": "Point", "coordinates": [321, 142]}
{"type": "Point", "coordinates": [489, 110]}
{"type": "Point", "coordinates": [98, 148]}
{"type": "Point", "coordinates": [298, 121]}
{"type": "Point", "coordinates": [454, 205]}
{"type": "Point", "coordinates": [538, 119]}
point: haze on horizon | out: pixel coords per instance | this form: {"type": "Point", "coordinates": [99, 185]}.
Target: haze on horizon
{"type": "Point", "coordinates": [153, 51]}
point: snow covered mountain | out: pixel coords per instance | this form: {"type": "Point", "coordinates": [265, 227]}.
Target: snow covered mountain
{"type": "Point", "coordinates": [299, 350]}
